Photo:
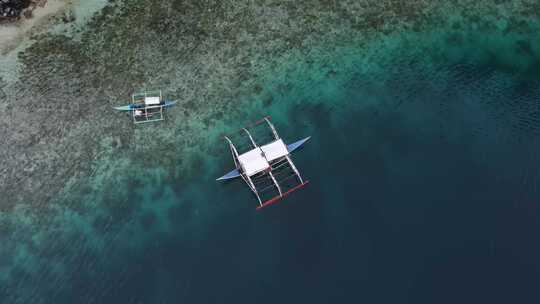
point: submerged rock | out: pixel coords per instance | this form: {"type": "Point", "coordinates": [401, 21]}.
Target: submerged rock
{"type": "Point", "coordinates": [12, 9]}
{"type": "Point", "coordinates": [68, 16]}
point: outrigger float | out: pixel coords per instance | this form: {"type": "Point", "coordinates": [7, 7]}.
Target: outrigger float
{"type": "Point", "coordinates": [267, 169]}
{"type": "Point", "coordinates": [147, 106]}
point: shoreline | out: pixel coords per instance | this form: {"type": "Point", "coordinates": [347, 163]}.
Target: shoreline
{"type": "Point", "coordinates": [14, 32]}
{"type": "Point", "coordinates": [47, 16]}
{"type": "Point", "coordinates": [15, 36]}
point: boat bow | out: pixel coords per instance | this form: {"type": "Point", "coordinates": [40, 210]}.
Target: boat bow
{"type": "Point", "coordinates": [297, 144]}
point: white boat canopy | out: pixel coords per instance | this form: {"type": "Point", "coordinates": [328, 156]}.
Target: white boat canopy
{"type": "Point", "coordinates": [253, 162]}
{"type": "Point", "coordinates": [259, 159]}
{"type": "Point", "coordinates": [152, 100]}
{"type": "Point", "coordinates": [275, 150]}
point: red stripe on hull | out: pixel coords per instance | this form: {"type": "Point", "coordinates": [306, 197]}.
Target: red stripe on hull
{"type": "Point", "coordinates": [276, 199]}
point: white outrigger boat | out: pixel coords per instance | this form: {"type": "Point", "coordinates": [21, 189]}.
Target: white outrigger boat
{"type": "Point", "coordinates": [147, 106]}
{"type": "Point", "coordinates": [267, 169]}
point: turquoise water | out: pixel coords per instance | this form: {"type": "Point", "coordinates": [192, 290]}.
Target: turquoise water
{"type": "Point", "coordinates": [423, 170]}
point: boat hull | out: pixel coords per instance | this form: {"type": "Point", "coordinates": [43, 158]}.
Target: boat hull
{"type": "Point", "coordinates": [291, 147]}
{"type": "Point", "coordinates": [297, 144]}
{"type": "Point", "coordinates": [131, 107]}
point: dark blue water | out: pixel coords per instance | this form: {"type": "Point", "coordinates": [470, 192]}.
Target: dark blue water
{"type": "Point", "coordinates": [424, 175]}
{"type": "Point", "coordinates": [427, 194]}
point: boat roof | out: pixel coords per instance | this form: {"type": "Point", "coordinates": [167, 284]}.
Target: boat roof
{"type": "Point", "coordinates": [148, 98]}
{"type": "Point", "coordinates": [151, 100]}
{"type": "Point", "coordinates": [259, 158]}
{"type": "Point", "coordinates": [253, 162]}
{"type": "Point", "coordinates": [275, 150]}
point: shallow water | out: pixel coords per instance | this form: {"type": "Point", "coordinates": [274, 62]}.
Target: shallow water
{"type": "Point", "coordinates": [423, 189]}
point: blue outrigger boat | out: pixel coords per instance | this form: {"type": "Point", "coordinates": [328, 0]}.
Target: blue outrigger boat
{"type": "Point", "coordinates": [267, 168]}
{"type": "Point", "coordinates": [147, 106]}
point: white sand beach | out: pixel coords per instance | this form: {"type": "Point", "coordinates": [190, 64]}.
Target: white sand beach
{"type": "Point", "coordinates": [47, 15]}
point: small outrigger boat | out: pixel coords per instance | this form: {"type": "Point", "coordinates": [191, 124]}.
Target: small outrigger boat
{"type": "Point", "coordinates": [147, 106]}
{"type": "Point", "coordinates": [267, 168]}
